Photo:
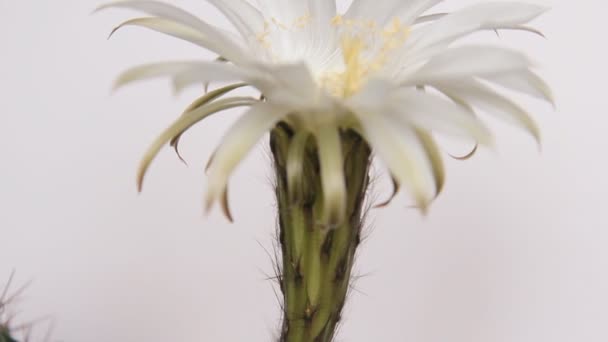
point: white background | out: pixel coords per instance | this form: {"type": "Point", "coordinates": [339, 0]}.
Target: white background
{"type": "Point", "coordinates": [515, 250]}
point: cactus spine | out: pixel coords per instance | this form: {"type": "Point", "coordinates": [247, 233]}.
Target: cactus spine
{"type": "Point", "coordinates": [5, 330]}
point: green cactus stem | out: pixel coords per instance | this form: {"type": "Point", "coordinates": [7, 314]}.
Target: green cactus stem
{"type": "Point", "coordinates": [316, 260]}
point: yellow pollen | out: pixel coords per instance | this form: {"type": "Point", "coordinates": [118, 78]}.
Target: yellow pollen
{"type": "Point", "coordinates": [279, 24]}
{"type": "Point", "coordinates": [337, 20]}
{"type": "Point", "coordinates": [302, 21]}
{"type": "Point", "coordinates": [354, 67]}
{"type": "Point", "coordinates": [262, 37]}
{"type": "Point", "coordinates": [272, 25]}
{"type": "Point", "coordinates": [365, 50]}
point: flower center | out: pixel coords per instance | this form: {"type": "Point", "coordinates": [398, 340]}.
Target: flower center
{"type": "Point", "coordinates": [365, 49]}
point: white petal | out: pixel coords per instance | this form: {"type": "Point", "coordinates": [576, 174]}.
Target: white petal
{"type": "Point", "coordinates": [405, 11]}
{"type": "Point", "coordinates": [283, 84]}
{"type": "Point", "coordinates": [483, 97]}
{"type": "Point", "coordinates": [331, 163]}
{"type": "Point", "coordinates": [523, 28]}
{"type": "Point", "coordinates": [296, 77]}
{"type": "Point", "coordinates": [199, 102]}
{"type": "Point", "coordinates": [524, 81]}
{"type": "Point", "coordinates": [372, 95]}
{"type": "Point", "coordinates": [283, 11]}
{"type": "Point", "coordinates": [152, 70]}
{"type": "Point", "coordinates": [370, 10]}
{"type": "Point", "coordinates": [155, 8]}
{"type": "Point", "coordinates": [223, 44]}
{"type": "Point", "coordinates": [172, 28]}
{"type": "Point", "coordinates": [205, 72]}
{"type": "Point", "coordinates": [432, 113]}
{"type": "Point", "coordinates": [236, 144]}
{"type": "Point", "coordinates": [401, 152]}
{"type": "Point", "coordinates": [291, 85]}
{"type": "Point", "coordinates": [428, 18]}
{"type": "Point", "coordinates": [322, 10]}
{"type": "Point", "coordinates": [214, 71]}
{"type": "Point", "coordinates": [485, 16]}
{"type": "Point", "coordinates": [181, 125]}
{"type": "Point", "coordinates": [464, 61]}
{"type": "Point", "coordinates": [246, 19]}
{"type": "Point", "coordinates": [411, 10]}
{"type": "Point", "coordinates": [323, 39]}
{"type": "Point", "coordinates": [433, 154]}
{"type": "Point", "coordinates": [437, 36]}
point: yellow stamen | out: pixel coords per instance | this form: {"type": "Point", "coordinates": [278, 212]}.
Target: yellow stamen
{"type": "Point", "coordinates": [279, 24]}
{"type": "Point", "coordinates": [337, 20]}
{"type": "Point", "coordinates": [262, 37]}
{"type": "Point", "coordinates": [354, 68]}
{"type": "Point", "coordinates": [302, 21]}
{"type": "Point", "coordinates": [357, 66]}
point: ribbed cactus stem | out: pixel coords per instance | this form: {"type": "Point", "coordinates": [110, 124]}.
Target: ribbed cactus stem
{"type": "Point", "coordinates": [316, 260]}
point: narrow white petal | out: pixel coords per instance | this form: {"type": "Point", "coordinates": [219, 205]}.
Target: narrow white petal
{"type": "Point", "coordinates": [282, 10]}
{"type": "Point", "coordinates": [524, 81]}
{"type": "Point", "coordinates": [151, 70]}
{"type": "Point", "coordinates": [432, 113]}
{"type": "Point", "coordinates": [246, 19]}
{"type": "Point", "coordinates": [213, 95]}
{"type": "Point", "coordinates": [428, 18]}
{"type": "Point", "coordinates": [494, 15]}
{"type": "Point", "coordinates": [322, 10]}
{"type": "Point", "coordinates": [523, 28]}
{"type": "Point", "coordinates": [213, 71]}
{"type": "Point", "coordinates": [182, 124]}
{"type": "Point", "coordinates": [438, 35]}
{"type": "Point", "coordinates": [295, 77]}
{"type": "Point", "coordinates": [284, 84]}
{"type": "Point", "coordinates": [291, 85]}
{"type": "Point", "coordinates": [464, 61]}
{"type": "Point", "coordinates": [405, 11]}
{"type": "Point", "coordinates": [370, 10]}
{"type": "Point", "coordinates": [174, 29]}
{"type": "Point", "coordinates": [236, 144]}
{"type": "Point", "coordinates": [366, 10]}
{"type": "Point", "coordinates": [394, 139]}
{"type": "Point", "coordinates": [399, 151]}
{"type": "Point", "coordinates": [323, 35]}
{"type": "Point", "coordinates": [199, 102]}
{"type": "Point", "coordinates": [411, 10]}
{"type": "Point", "coordinates": [155, 8]}
{"type": "Point", "coordinates": [434, 157]}
{"type": "Point", "coordinates": [485, 98]}
{"type": "Point", "coordinates": [331, 162]}
{"type": "Point", "coordinates": [223, 44]}
{"type": "Point", "coordinates": [205, 72]}
{"type": "Point", "coordinates": [372, 97]}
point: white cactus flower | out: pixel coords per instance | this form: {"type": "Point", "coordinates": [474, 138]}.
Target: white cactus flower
{"type": "Point", "coordinates": [366, 70]}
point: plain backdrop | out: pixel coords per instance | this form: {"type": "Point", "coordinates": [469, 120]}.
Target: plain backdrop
{"type": "Point", "coordinates": [515, 250]}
